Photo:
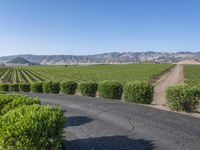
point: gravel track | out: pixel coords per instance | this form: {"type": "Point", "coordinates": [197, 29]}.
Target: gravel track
{"type": "Point", "coordinates": [173, 77]}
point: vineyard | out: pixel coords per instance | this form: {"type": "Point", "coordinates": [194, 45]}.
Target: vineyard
{"type": "Point", "coordinates": [192, 74]}
{"type": "Point", "coordinates": [19, 75]}
{"type": "Point", "coordinates": [122, 73]}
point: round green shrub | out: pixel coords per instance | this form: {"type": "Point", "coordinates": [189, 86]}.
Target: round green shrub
{"type": "Point", "coordinates": [4, 87]}
{"type": "Point", "coordinates": [24, 87]}
{"type": "Point", "coordinates": [138, 92]}
{"type": "Point", "coordinates": [88, 88]}
{"type": "Point", "coordinates": [18, 100]}
{"type": "Point", "coordinates": [110, 89]}
{"type": "Point", "coordinates": [36, 87]}
{"type": "Point", "coordinates": [33, 127]}
{"type": "Point", "coordinates": [183, 97]}
{"type": "Point", "coordinates": [51, 87]}
{"type": "Point", "coordinates": [14, 87]}
{"type": "Point", "coordinates": [68, 87]}
{"type": "Point", "coordinates": [7, 98]}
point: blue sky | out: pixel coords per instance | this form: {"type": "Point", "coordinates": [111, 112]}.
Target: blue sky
{"type": "Point", "coordinates": [83, 27]}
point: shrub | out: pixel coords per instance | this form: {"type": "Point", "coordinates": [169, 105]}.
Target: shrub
{"type": "Point", "coordinates": [183, 97]}
{"type": "Point", "coordinates": [18, 100]}
{"type": "Point", "coordinates": [68, 87]}
{"type": "Point", "coordinates": [51, 87]}
{"type": "Point", "coordinates": [24, 87]}
{"type": "Point", "coordinates": [110, 89]}
{"type": "Point", "coordinates": [14, 87]}
{"type": "Point", "coordinates": [7, 98]}
{"type": "Point", "coordinates": [4, 87]}
{"type": "Point", "coordinates": [36, 87]}
{"type": "Point", "coordinates": [32, 127]}
{"type": "Point", "coordinates": [88, 88]}
{"type": "Point", "coordinates": [138, 92]}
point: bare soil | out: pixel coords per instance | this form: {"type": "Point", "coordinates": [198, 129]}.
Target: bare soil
{"type": "Point", "coordinates": [173, 77]}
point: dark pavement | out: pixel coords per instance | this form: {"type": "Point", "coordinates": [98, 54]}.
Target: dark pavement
{"type": "Point", "coordinates": [97, 124]}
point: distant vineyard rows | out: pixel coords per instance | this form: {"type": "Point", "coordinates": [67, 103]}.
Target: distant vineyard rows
{"type": "Point", "coordinates": [122, 73]}
{"type": "Point", "coordinates": [192, 74]}
{"type": "Point", "coordinates": [19, 75]}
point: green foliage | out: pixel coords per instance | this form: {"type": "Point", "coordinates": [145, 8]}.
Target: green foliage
{"type": "Point", "coordinates": [7, 98]}
{"type": "Point", "coordinates": [36, 87]}
{"type": "Point", "coordinates": [192, 74]}
{"type": "Point", "coordinates": [14, 87]}
{"type": "Point", "coordinates": [68, 87]}
{"type": "Point", "coordinates": [24, 87]}
{"type": "Point", "coordinates": [183, 97]}
{"type": "Point", "coordinates": [16, 100]}
{"type": "Point", "coordinates": [51, 87]}
{"type": "Point", "coordinates": [4, 87]}
{"type": "Point", "coordinates": [138, 92]}
{"type": "Point", "coordinates": [32, 127]}
{"type": "Point", "coordinates": [97, 73]}
{"type": "Point", "coordinates": [88, 88]}
{"type": "Point", "coordinates": [110, 89]}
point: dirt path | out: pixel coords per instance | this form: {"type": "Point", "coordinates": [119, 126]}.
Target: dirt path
{"type": "Point", "coordinates": [173, 77]}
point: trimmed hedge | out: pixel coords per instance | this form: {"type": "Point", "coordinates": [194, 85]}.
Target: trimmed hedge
{"type": "Point", "coordinates": [4, 87]}
{"type": "Point", "coordinates": [183, 97]}
{"type": "Point", "coordinates": [32, 127]}
{"type": "Point", "coordinates": [14, 87]}
{"type": "Point", "coordinates": [110, 89]}
{"type": "Point", "coordinates": [15, 100]}
{"type": "Point", "coordinates": [51, 87]}
{"type": "Point", "coordinates": [68, 87]}
{"type": "Point", "coordinates": [7, 98]}
{"type": "Point", "coordinates": [138, 92]}
{"type": "Point", "coordinates": [88, 88]}
{"type": "Point", "coordinates": [24, 87]}
{"type": "Point", "coordinates": [36, 87]}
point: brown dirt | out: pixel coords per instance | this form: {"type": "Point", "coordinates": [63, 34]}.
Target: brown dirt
{"type": "Point", "coordinates": [173, 77]}
{"type": "Point", "coordinates": [191, 62]}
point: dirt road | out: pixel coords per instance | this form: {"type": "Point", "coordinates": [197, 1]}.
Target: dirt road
{"type": "Point", "coordinates": [173, 77]}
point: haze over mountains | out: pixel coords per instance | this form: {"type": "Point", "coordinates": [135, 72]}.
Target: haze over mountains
{"type": "Point", "coordinates": [108, 58]}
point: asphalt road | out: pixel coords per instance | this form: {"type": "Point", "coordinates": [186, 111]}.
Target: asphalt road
{"type": "Point", "coordinates": [96, 124]}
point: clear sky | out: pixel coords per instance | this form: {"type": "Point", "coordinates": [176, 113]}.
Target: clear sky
{"type": "Point", "coordinates": [98, 26]}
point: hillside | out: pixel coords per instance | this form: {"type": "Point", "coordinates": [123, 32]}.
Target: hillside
{"type": "Point", "coordinates": [115, 57]}
{"type": "Point", "coordinates": [19, 61]}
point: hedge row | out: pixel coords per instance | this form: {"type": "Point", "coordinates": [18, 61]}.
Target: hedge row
{"type": "Point", "coordinates": [183, 97]}
{"type": "Point", "coordinates": [110, 89]}
{"type": "Point", "coordinates": [137, 92]}
{"type": "Point", "coordinates": [25, 124]}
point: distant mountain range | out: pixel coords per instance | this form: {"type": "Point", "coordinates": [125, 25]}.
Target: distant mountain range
{"type": "Point", "coordinates": [19, 61]}
{"type": "Point", "coordinates": [108, 58]}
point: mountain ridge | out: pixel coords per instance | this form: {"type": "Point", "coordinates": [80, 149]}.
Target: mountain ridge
{"type": "Point", "coordinates": [108, 58]}
{"type": "Point", "coordinates": [19, 61]}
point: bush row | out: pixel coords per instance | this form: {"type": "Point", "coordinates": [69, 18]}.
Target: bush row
{"type": "Point", "coordinates": [25, 124]}
{"type": "Point", "coordinates": [183, 97]}
{"type": "Point", "coordinates": [136, 91]}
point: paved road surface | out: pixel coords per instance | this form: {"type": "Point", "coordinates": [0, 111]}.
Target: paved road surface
{"type": "Point", "coordinates": [96, 124]}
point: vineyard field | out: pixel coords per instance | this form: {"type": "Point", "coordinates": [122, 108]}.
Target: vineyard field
{"type": "Point", "coordinates": [192, 74]}
{"type": "Point", "coordinates": [122, 73]}
{"type": "Point", "coordinates": [19, 75]}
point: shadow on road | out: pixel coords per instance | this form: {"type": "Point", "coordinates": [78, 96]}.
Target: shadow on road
{"type": "Point", "coordinates": [77, 121]}
{"type": "Point", "coordinates": [109, 143]}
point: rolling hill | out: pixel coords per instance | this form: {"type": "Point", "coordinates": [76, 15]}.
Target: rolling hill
{"type": "Point", "coordinates": [108, 58]}
{"type": "Point", "coordinates": [19, 61]}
